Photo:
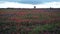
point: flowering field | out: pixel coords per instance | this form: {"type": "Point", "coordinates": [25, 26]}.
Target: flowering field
{"type": "Point", "coordinates": [29, 21]}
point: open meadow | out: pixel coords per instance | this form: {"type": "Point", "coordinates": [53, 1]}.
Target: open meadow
{"type": "Point", "coordinates": [30, 21]}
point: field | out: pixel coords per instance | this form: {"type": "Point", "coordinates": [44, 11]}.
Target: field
{"type": "Point", "coordinates": [30, 21]}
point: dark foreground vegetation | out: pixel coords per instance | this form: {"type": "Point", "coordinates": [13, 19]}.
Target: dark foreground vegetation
{"type": "Point", "coordinates": [30, 21]}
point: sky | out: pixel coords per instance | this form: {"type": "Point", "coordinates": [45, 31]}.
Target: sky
{"type": "Point", "coordinates": [29, 3]}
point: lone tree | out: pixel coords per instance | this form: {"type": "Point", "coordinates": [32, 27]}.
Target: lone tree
{"type": "Point", "coordinates": [34, 7]}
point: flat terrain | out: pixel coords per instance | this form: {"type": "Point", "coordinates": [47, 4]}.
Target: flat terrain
{"type": "Point", "coordinates": [30, 21]}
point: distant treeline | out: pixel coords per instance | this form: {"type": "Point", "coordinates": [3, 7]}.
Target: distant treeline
{"type": "Point", "coordinates": [31, 8]}
{"type": "Point", "coordinates": [48, 9]}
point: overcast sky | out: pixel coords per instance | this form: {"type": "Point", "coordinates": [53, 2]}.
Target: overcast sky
{"type": "Point", "coordinates": [29, 3]}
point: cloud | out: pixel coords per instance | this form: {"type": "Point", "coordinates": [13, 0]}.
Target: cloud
{"type": "Point", "coordinates": [49, 4]}
{"type": "Point", "coordinates": [20, 5]}
{"type": "Point", "coordinates": [14, 5]}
